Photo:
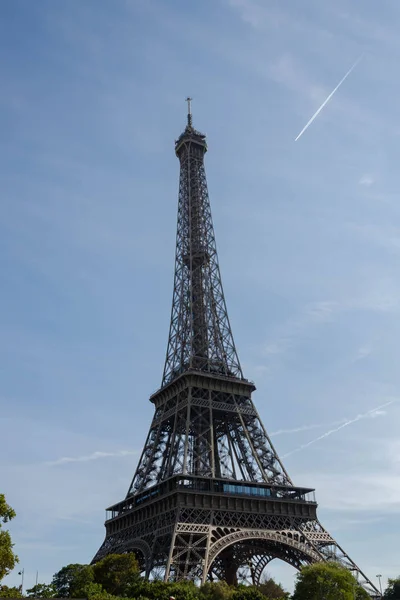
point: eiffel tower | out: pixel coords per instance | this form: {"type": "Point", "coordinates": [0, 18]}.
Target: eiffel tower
{"type": "Point", "coordinates": [210, 496]}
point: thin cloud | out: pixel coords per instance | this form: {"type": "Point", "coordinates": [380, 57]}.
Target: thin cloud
{"type": "Point", "coordinates": [382, 299]}
{"type": "Point", "coordinates": [387, 237]}
{"type": "Point", "coordinates": [374, 412]}
{"type": "Point", "coordinates": [315, 313]}
{"type": "Point", "coordinates": [94, 456]}
{"type": "Point", "coordinates": [364, 352]}
{"type": "Point", "coordinates": [367, 180]}
{"type": "Point", "coordinates": [379, 413]}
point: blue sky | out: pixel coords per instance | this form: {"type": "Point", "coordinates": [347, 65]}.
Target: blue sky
{"type": "Point", "coordinates": [308, 235]}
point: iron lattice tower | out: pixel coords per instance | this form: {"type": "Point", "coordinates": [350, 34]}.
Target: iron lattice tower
{"type": "Point", "coordinates": [210, 497]}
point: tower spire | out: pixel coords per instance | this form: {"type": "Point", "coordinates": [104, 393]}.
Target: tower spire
{"type": "Point", "coordinates": [189, 115]}
{"type": "Point", "coordinates": [200, 337]}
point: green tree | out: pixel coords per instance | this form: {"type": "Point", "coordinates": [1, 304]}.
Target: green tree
{"type": "Point", "coordinates": [7, 557]}
{"type": "Point", "coordinates": [159, 590]}
{"type": "Point", "coordinates": [250, 592]}
{"type": "Point", "coordinates": [71, 581]}
{"type": "Point", "coordinates": [325, 581]}
{"type": "Point", "coordinates": [272, 590]}
{"type": "Point", "coordinates": [41, 590]}
{"type": "Point", "coordinates": [10, 592]}
{"type": "Point", "coordinates": [219, 590]}
{"type": "Point", "coordinates": [183, 590]}
{"type": "Point", "coordinates": [392, 591]}
{"type": "Point", "coordinates": [117, 573]}
{"type": "Point", "coordinates": [94, 591]}
{"type": "Point", "coordinates": [362, 594]}
{"type": "Point", "coordinates": [6, 512]}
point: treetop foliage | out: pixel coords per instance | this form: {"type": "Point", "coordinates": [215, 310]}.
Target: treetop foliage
{"type": "Point", "coordinates": [41, 590]}
{"type": "Point", "coordinates": [392, 591]}
{"type": "Point", "coordinates": [6, 512]}
{"type": "Point", "coordinates": [9, 592]}
{"type": "Point", "coordinates": [117, 576]}
{"type": "Point", "coordinates": [272, 590]}
{"type": "Point", "coordinates": [7, 557]}
{"type": "Point", "coordinates": [71, 580]}
{"type": "Point", "coordinates": [117, 573]}
{"type": "Point", "coordinates": [327, 580]}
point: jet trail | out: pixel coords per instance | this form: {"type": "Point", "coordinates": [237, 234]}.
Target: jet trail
{"type": "Point", "coordinates": [325, 102]}
{"type": "Point", "coordinates": [345, 424]}
{"type": "Point", "coordinates": [306, 428]}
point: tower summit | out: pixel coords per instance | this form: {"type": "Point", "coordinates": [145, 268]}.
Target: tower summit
{"type": "Point", "coordinates": [210, 495]}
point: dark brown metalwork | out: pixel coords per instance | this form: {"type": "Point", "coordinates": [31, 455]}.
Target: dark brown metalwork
{"type": "Point", "coordinates": [210, 497]}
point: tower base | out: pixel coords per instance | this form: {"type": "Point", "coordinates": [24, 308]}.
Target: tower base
{"type": "Point", "coordinates": [213, 529]}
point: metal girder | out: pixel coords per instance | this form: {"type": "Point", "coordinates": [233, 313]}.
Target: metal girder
{"type": "Point", "coordinates": [195, 434]}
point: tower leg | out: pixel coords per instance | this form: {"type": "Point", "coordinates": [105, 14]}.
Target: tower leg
{"type": "Point", "coordinates": [205, 561]}
{"type": "Point", "coordinates": [170, 555]}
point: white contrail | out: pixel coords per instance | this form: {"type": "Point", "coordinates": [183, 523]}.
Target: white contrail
{"type": "Point", "coordinates": [374, 413]}
{"type": "Point", "coordinates": [370, 413]}
{"type": "Point", "coordinates": [93, 456]}
{"type": "Point", "coordinates": [325, 102]}
{"type": "Point", "coordinates": [306, 427]}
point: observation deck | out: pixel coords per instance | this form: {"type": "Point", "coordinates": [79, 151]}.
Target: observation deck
{"type": "Point", "coordinates": [211, 493]}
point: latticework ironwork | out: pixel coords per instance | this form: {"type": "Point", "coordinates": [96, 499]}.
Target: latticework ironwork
{"type": "Point", "coordinates": [210, 498]}
{"type": "Point", "coordinates": [202, 428]}
{"type": "Point", "coordinates": [200, 334]}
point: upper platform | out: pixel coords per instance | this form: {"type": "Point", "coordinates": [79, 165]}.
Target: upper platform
{"type": "Point", "coordinates": [190, 136]}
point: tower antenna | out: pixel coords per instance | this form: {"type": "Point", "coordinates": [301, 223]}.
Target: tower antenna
{"type": "Point", "coordinates": [189, 116]}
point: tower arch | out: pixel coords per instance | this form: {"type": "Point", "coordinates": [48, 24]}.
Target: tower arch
{"type": "Point", "coordinates": [257, 548]}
